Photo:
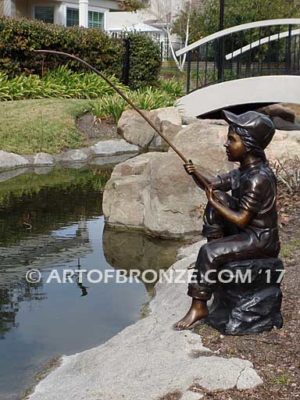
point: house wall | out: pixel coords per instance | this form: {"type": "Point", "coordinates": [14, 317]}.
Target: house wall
{"type": "Point", "coordinates": [25, 8]}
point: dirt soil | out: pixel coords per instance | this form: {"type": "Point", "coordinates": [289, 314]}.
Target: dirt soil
{"type": "Point", "coordinates": [276, 354]}
{"type": "Point", "coordinates": [95, 130]}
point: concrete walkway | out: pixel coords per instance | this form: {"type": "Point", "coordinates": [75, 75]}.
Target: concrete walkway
{"type": "Point", "coordinates": [149, 359]}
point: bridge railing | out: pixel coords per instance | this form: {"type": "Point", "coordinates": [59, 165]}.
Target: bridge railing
{"type": "Point", "coordinates": [260, 48]}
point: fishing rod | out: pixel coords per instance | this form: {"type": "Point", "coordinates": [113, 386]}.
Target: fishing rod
{"type": "Point", "coordinates": [120, 92]}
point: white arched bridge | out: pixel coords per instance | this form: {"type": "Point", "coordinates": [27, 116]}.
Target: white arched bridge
{"type": "Point", "coordinates": [253, 63]}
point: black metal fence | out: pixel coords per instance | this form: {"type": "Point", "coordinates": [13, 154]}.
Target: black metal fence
{"type": "Point", "coordinates": [269, 50]}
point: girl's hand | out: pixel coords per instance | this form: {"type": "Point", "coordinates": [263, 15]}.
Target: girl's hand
{"type": "Point", "coordinates": [190, 168]}
{"type": "Point", "coordinates": [210, 194]}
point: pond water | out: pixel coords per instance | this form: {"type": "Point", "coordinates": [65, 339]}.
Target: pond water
{"type": "Point", "coordinates": [51, 223]}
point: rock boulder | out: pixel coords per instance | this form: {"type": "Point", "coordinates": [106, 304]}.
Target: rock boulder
{"type": "Point", "coordinates": [135, 130]}
{"type": "Point", "coordinates": [11, 160]}
{"type": "Point", "coordinates": [153, 193]}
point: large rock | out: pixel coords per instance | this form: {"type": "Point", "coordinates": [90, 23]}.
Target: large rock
{"type": "Point", "coordinates": [167, 114]}
{"type": "Point", "coordinates": [134, 129]}
{"type": "Point", "coordinates": [169, 130]}
{"type": "Point", "coordinates": [285, 145]}
{"type": "Point", "coordinates": [152, 192]}
{"type": "Point", "coordinates": [278, 110]}
{"type": "Point", "coordinates": [283, 117]}
{"type": "Point", "coordinates": [11, 160]}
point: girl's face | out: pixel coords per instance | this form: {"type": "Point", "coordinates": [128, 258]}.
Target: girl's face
{"type": "Point", "coordinates": [235, 148]}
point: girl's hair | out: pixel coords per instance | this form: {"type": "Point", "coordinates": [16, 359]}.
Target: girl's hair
{"type": "Point", "coordinates": [249, 142]}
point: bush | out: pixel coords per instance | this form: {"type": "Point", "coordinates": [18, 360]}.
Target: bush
{"type": "Point", "coordinates": [145, 98]}
{"type": "Point", "coordinates": [61, 83]}
{"type": "Point", "coordinates": [145, 61]}
{"type": "Point", "coordinates": [19, 37]}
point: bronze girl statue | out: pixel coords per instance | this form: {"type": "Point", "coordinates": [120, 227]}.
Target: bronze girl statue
{"type": "Point", "coordinates": [241, 226]}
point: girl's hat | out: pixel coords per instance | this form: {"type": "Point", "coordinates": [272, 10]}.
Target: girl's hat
{"type": "Point", "coordinates": [259, 126]}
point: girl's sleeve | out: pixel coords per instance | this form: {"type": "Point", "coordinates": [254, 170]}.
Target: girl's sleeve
{"type": "Point", "coordinates": [229, 181]}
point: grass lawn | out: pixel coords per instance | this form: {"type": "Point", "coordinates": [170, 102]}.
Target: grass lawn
{"type": "Point", "coordinates": [47, 125]}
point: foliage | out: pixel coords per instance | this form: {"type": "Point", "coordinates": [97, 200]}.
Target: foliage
{"type": "Point", "coordinates": [20, 37]}
{"type": "Point", "coordinates": [151, 98]}
{"type": "Point", "coordinates": [145, 61]}
{"type": "Point", "coordinates": [145, 98]}
{"type": "Point", "coordinates": [204, 20]}
{"type": "Point", "coordinates": [108, 106]}
{"type": "Point", "coordinates": [172, 87]}
{"type": "Point", "coordinates": [60, 83]}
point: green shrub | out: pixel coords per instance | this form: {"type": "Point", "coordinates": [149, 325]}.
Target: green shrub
{"type": "Point", "coordinates": [151, 98]}
{"type": "Point", "coordinates": [172, 86]}
{"type": "Point", "coordinates": [109, 106]}
{"type": "Point", "coordinates": [146, 99]}
{"type": "Point", "coordinates": [19, 37]}
{"type": "Point", "coordinates": [60, 83]}
{"type": "Point", "coordinates": [145, 61]}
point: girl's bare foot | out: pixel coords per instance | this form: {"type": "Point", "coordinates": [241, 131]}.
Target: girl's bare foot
{"type": "Point", "coordinates": [197, 311]}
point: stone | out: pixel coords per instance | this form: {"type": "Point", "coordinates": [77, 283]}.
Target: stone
{"type": "Point", "coordinates": [11, 160]}
{"type": "Point", "coordinates": [187, 120]}
{"type": "Point", "coordinates": [153, 193]}
{"type": "Point", "coordinates": [117, 368]}
{"type": "Point", "coordinates": [113, 147]}
{"type": "Point", "coordinates": [248, 300]}
{"type": "Point", "coordinates": [43, 159]}
{"type": "Point", "coordinates": [167, 114]}
{"type": "Point", "coordinates": [284, 125]}
{"type": "Point", "coordinates": [74, 156]}
{"type": "Point", "coordinates": [134, 129]}
{"type": "Point", "coordinates": [169, 130]}
{"type": "Point", "coordinates": [285, 145]}
{"type": "Point", "coordinates": [278, 110]}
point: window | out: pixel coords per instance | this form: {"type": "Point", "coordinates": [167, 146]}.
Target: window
{"type": "Point", "coordinates": [44, 13]}
{"type": "Point", "coordinates": [72, 17]}
{"type": "Point", "coordinates": [96, 19]}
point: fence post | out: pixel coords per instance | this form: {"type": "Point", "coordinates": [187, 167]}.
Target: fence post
{"type": "Point", "coordinates": [288, 51]}
{"type": "Point", "coordinates": [188, 74]}
{"type": "Point", "coordinates": [126, 62]}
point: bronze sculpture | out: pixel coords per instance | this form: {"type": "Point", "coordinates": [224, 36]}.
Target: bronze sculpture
{"type": "Point", "coordinates": [242, 233]}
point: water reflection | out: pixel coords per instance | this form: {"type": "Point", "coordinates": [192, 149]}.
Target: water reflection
{"type": "Point", "coordinates": [53, 222]}
{"type": "Point", "coordinates": [134, 250]}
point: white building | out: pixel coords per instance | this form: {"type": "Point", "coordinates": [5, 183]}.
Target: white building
{"type": "Point", "coordinates": [86, 13]}
{"type": "Point", "coordinates": [118, 23]}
